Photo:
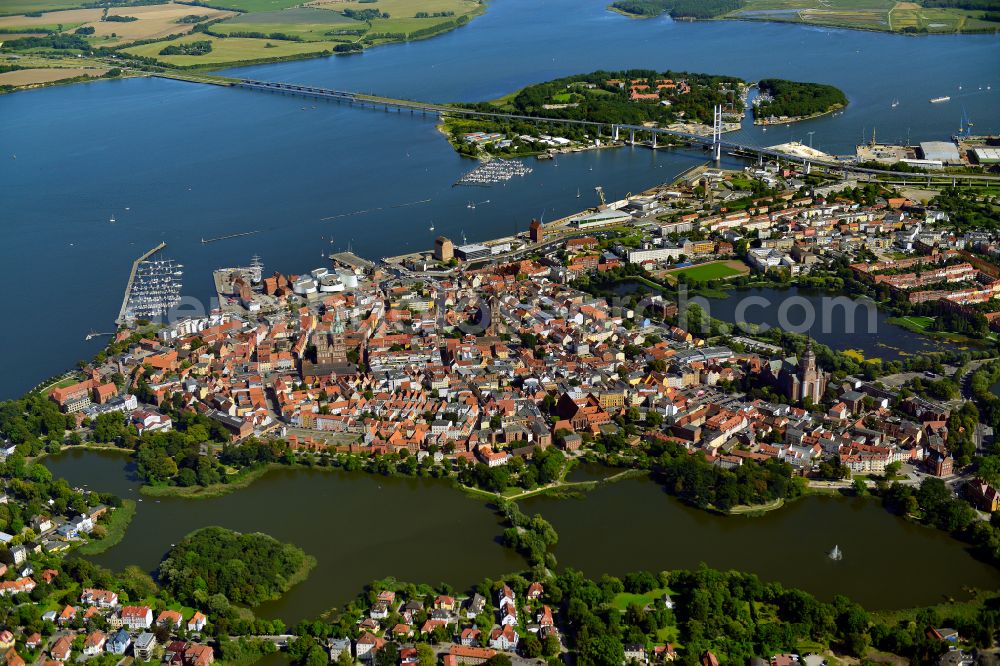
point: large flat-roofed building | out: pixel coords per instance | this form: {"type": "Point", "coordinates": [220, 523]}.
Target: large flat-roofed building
{"type": "Point", "coordinates": [472, 251]}
{"type": "Point", "coordinates": [940, 151]}
{"type": "Point", "coordinates": [604, 218]}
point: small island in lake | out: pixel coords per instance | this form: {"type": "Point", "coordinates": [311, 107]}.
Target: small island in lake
{"type": "Point", "coordinates": [247, 568]}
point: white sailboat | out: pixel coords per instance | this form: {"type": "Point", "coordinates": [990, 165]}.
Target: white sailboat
{"type": "Point", "coordinates": [836, 555]}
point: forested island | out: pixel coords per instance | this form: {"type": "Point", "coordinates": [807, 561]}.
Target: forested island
{"type": "Point", "coordinates": [245, 568]}
{"type": "Point", "coordinates": [631, 97]}
{"type": "Point", "coordinates": [674, 100]}
{"type": "Point", "coordinates": [784, 101]}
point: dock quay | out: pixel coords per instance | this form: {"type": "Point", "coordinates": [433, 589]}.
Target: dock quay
{"type": "Point", "coordinates": [352, 260]}
{"type": "Point", "coordinates": [131, 280]}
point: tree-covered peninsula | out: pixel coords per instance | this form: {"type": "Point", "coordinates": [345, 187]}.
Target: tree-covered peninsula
{"type": "Point", "coordinates": [245, 568]}
{"type": "Point", "coordinates": [691, 9]}
{"type": "Point", "coordinates": [783, 100]}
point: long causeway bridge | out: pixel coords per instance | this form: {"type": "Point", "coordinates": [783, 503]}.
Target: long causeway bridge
{"type": "Point", "coordinates": [614, 131]}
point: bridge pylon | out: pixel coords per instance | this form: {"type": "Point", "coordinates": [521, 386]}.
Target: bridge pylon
{"type": "Point", "coordinates": [717, 133]}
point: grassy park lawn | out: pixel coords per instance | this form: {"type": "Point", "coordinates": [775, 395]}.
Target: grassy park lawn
{"type": "Point", "coordinates": [623, 600]}
{"type": "Point", "coordinates": [913, 324]}
{"type": "Point", "coordinates": [230, 50]}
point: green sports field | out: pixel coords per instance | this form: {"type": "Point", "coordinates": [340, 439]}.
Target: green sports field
{"type": "Point", "coordinates": [710, 271]}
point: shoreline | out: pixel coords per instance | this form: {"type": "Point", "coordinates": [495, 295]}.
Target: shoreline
{"type": "Point", "coordinates": [799, 119]}
{"type": "Point", "coordinates": [117, 526]}
{"type": "Point", "coordinates": [129, 73]}
{"type": "Point", "coordinates": [833, 26]}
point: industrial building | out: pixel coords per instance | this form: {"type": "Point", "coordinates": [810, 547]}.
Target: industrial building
{"type": "Point", "coordinates": [986, 155]}
{"type": "Point", "coordinates": [604, 218]}
{"type": "Point", "coordinates": [472, 251]}
{"type": "Point", "coordinates": [944, 152]}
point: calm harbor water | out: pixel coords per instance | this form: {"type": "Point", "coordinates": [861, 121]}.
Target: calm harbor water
{"type": "Point", "coordinates": [178, 162]}
{"type": "Point", "coordinates": [361, 527]}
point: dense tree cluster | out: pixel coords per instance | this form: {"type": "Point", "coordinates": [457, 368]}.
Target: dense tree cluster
{"type": "Point", "coordinates": [33, 491]}
{"type": "Point", "coordinates": [696, 481]}
{"type": "Point", "coordinates": [544, 467]}
{"type": "Point", "coordinates": [245, 568]}
{"type": "Point", "coordinates": [34, 421]}
{"type": "Point", "coordinates": [795, 99]}
{"type": "Point", "coordinates": [933, 503]}
{"type": "Point", "coordinates": [196, 48]}
{"type": "Point", "coordinates": [531, 536]}
{"type": "Point", "coordinates": [60, 42]}
{"type": "Point", "coordinates": [697, 9]}
{"type": "Point", "coordinates": [963, 4]}
{"type": "Point", "coordinates": [967, 210]}
{"type": "Point", "coordinates": [365, 14]}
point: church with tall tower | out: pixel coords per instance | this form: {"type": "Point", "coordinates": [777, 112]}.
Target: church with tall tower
{"type": "Point", "coordinates": [331, 347]}
{"type": "Point", "coordinates": [800, 378]}
{"type": "Point", "coordinates": [331, 352]}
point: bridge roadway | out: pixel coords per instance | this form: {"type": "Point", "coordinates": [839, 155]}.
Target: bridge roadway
{"type": "Point", "coordinates": [613, 130]}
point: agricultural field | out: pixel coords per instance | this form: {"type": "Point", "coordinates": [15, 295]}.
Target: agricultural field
{"type": "Point", "coordinates": [230, 50]}
{"type": "Point", "coordinates": [154, 22]}
{"type": "Point", "coordinates": [887, 15]}
{"type": "Point", "coordinates": [910, 16]}
{"type": "Point", "coordinates": [306, 23]}
{"type": "Point", "coordinates": [714, 270]}
{"type": "Point", "coordinates": [253, 6]}
{"type": "Point", "coordinates": [41, 75]}
{"type": "Point", "coordinates": [22, 6]}
{"type": "Point", "coordinates": [402, 13]}
{"type": "Point", "coordinates": [5, 36]}
{"type": "Point", "coordinates": [52, 20]}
